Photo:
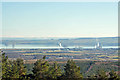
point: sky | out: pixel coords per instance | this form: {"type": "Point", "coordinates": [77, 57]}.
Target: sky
{"type": "Point", "coordinates": [59, 19]}
{"type": "Point", "coordinates": [60, 0]}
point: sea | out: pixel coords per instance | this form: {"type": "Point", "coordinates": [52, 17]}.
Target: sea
{"type": "Point", "coordinates": [28, 46]}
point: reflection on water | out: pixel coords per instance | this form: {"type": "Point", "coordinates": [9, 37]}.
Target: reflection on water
{"type": "Point", "coordinates": [27, 46]}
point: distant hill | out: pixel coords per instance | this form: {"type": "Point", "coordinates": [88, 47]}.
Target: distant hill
{"type": "Point", "coordinates": [105, 41]}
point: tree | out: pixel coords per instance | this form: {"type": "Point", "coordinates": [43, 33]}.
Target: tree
{"type": "Point", "coordinates": [40, 69]}
{"type": "Point", "coordinates": [12, 69]}
{"type": "Point", "coordinates": [21, 67]}
{"type": "Point", "coordinates": [113, 75]}
{"type": "Point", "coordinates": [55, 71]}
{"type": "Point", "coordinates": [6, 67]}
{"type": "Point", "coordinates": [101, 75]}
{"type": "Point", "coordinates": [72, 71]}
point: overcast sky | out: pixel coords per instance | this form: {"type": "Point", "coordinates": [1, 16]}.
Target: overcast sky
{"type": "Point", "coordinates": [60, 19]}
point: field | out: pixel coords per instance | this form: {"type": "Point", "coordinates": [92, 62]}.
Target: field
{"type": "Point", "coordinates": [63, 55]}
{"type": "Point", "coordinates": [91, 59]}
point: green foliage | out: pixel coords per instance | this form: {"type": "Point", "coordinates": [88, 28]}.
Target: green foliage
{"type": "Point", "coordinates": [20, 66]}
{"type": "Point", "coordinates": [12, 69]}
{"type": "Point", "coordinates": [102, 75]}
{"type": "Point", "coordinates": [113, 75]}
{"type": "Point", "coordinates": [43, 71]}
{"type": "Point", "coordinates": [55, 71]}
{"type": "Point", "coordinates": [72, 71]}
{"type": "Point", "coordinates": [44, 57]}
{"type": "Point", "coordinates": [29, 68]}
{"type": "Point", "coordinates": [5, 67]}
{"type": "Point", "coordinates": [40, 69]}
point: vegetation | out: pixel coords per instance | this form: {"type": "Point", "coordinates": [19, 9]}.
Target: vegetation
{"type": "Point", "coordinates": [15, 69]}
{"type": "Point", "coordinates": [40, 69]}
{"type": "Point", "coordinates": [12, 69]}
{"type": "Point", "coordinates": [72, 71]}
{"type": "Point", "coordinates": [55, 71]}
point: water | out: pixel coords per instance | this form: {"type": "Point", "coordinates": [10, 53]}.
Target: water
{"type": "Point", "coordinates": [27, 46]}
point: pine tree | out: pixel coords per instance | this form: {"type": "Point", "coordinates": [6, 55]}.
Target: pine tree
{"type": "Point", "coordinates": [72, 71]}
{"type": "Point", "coordinates": [12, 69]}
{"type": "Point", "coordinates": [6, 67]}
{"type": "Point", "coordinates": [21, 67]}
{"type": "Point", "coordinates": [101, 75]}
{"type": "Point", "coordinates": [113, 75]}
{"type": "Point", "coordinates": [40, 69]}
{"type": "Point", "coordinates": [55, 71]}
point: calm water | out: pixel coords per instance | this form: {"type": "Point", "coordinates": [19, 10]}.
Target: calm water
{"type": "Point", "coordinates": [21, 46]}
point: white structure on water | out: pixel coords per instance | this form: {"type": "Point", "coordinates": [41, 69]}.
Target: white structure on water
{"type": "Point", "coordinates": [98, 45]}
{"type": "Point", "coordinates": [60, 45]}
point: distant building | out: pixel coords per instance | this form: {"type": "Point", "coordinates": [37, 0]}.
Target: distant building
{"type": "Point", "coordinates": [78, 48]}
{"type": "Point", "coordinates": [61, 47]}
{"type": "Point", "coordinates": [98, 46]}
